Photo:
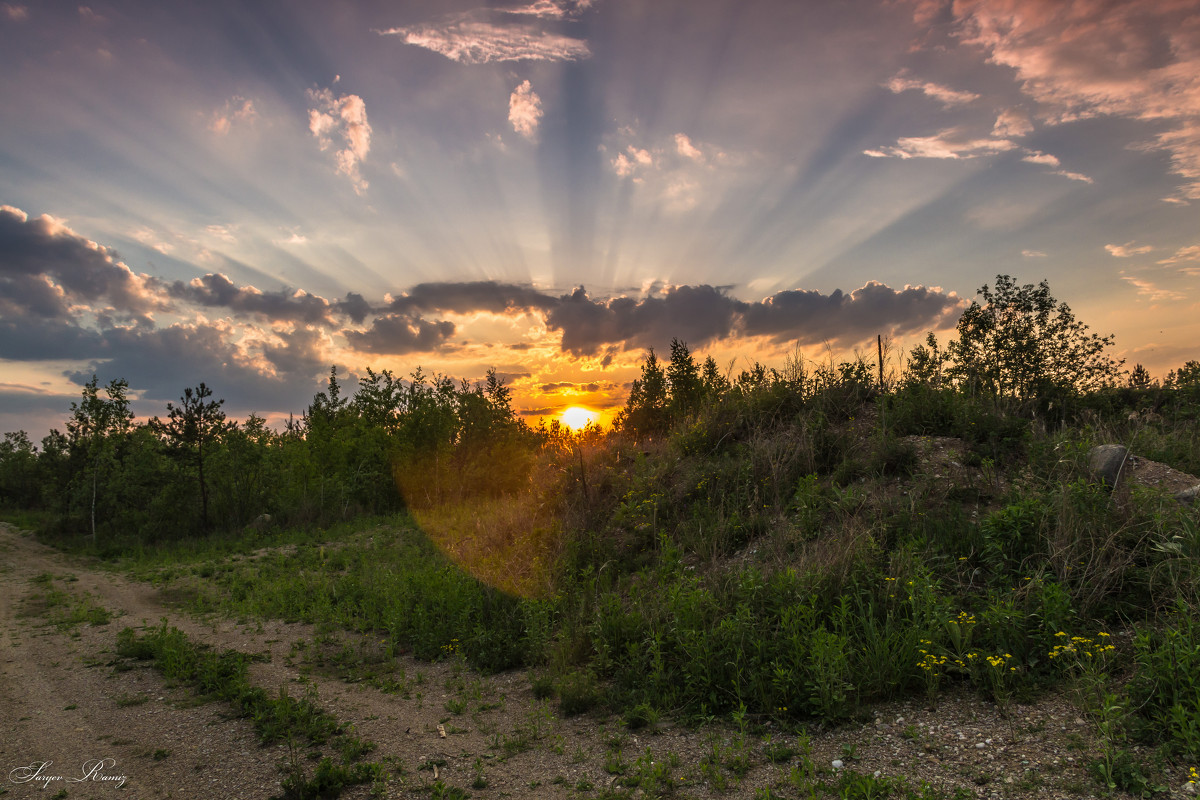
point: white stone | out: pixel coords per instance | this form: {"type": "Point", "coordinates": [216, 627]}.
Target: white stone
{"type": "Point", "coordinates": [837, 763]}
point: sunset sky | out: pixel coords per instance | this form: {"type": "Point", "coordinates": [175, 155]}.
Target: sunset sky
{"type": "Point", "coordinates": [246, 193]}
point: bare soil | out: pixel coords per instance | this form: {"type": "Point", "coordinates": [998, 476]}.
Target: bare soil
{"type": "Point", "coordinates": [67, 702]}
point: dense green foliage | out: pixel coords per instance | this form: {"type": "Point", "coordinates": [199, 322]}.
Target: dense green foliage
{"type": "Point", "coordinates": [787, 543]}
{"type": "Point", "coordinates": [126, 483]}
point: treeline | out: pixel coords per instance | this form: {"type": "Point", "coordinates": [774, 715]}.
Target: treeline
{"type": "Point", "coordinates": [424, 440]}
{"type": "Point", "coordinates": [394, 442]}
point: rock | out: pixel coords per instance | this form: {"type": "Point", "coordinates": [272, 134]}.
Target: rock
{"type": "Point", "coordinates": [260, 522]}
{"type": "Point", "coordinates": [837, 763]}
{"type": "Point", "coordinates": [1189, 787]}
{"type": "Point", "coordinates": [1188, 496]}
{"type": "Point", "coordinates": [1106, 461]}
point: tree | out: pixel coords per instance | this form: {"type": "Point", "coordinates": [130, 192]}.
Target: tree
{"type": "Point", "coordinates": [1020, 342]}
{"type": "Point", "coordinates": [96, 430]}
{"type": "Point", "coordinates": [192, 429]}
{"type": "Point", "coordinates": [713, 381]}
{"type": "Point", "coordinates": [926, 362]}
{"type": "Point", "coordinates": [1140, 378]}
{"type": "Point", "coordinates": [645, 413]}
{"type": "Point", "coordinates": [683, 380]}
{"type": "Point", "coordinates": [18, 471]}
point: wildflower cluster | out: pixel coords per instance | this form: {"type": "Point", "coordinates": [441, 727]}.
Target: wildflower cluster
{"type": "Point", "coordinates": [450, 649]}
{"type": "Point", "coordinates": [929, 661]}
{"type": "Point", "coordinates": [1081, 646]}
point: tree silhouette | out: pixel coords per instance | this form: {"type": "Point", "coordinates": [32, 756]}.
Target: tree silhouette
{"type": "Point", "coordinates": [192, 429]}
{"type": "Point", "coordinates": [1022, 343]}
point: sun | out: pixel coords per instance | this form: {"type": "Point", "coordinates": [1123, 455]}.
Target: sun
{"type": "Point", "coordinates": [577, 417]}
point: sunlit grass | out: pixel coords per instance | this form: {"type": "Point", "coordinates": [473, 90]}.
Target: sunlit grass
{"type": "Point", "coordinates": [509, 543]}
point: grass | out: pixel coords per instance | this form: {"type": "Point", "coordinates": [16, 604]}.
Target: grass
{"type": "Point", "coordinates": [299, 722]}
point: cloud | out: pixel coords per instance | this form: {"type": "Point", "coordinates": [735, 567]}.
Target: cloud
{"type": "Point", "coordinates": [1033, 254]}
{"type": "Point", "coordinates": [1045, 159]}
{"type": "Point", "coordinates": [685, 148]}
{"type": "Point", "coordinates": [464, 298]}
{"type": "Point", "coordinates": [1133, 59]}
{"type": "Point", "coordinates": [46, 269]}
{"type": "Point", "coordinates": [1048, 160]}
{"type": "Point", "coordinates": [346, 117]}
{"type": "Point", "coordinates": [702, 314]}
{"type": "Point", "coordinates": [216, 290]}
{"type": "Point", "coordinates": [951, 143]}
{"type": "Point", "coordinates": [1151, 291]}
{"type": "Point", "coordinates": [474, 38]}
{"type": "Point", "coordinates": [946, 96]}
{"type": "Point", "coordinates": [1127, 250]}
{"type": "Point", "coordinates": [15, 13]}
{"type": "Point", "coordinates": [399, 334]}
{"type": "Point", "coordinates": [551, 9]}
{"type": "Point", "coordinates": [1012, 122]}
{"type": "Point", "coordinates": [810, 317]}
{"type": "Point", "coordinates": [1185, 255]}
{"type": "Point", "coordinates": [160, 362]}
{"type": "Point", "coordinates": [237, 110]}
{"type": "Point", "coordinates": [525, 110]}
{"type": "Point", "coordinates": [631, 161]}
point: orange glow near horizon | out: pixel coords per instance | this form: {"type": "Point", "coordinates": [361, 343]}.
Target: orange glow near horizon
{"type": "Point", "coordinates": [577, 417]}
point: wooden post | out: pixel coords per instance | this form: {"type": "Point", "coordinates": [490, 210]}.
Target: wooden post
{"type": "Point", "coordinates": [882, 399]}
{"type": "Point", "coordinates": [879, 344]}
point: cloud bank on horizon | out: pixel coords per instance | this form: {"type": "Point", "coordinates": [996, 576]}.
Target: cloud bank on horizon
{"type": "Point", "coordinates": [553, 186]}
{"type": "Point", "coordinates": [63, 296]}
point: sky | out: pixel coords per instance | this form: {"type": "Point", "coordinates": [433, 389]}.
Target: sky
{"type": "Point", "coordinates": [248, 194]}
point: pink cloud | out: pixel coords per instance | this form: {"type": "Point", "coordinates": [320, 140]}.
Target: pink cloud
{"type": "Point", "coordinates": [685, 148]}
{"type": "Point", "coordinates": [525, 110]}
{"type": "Point", "coordinates": [946, 96]}
{"type": "Point", "coordinates": [474, 41]}
{"type": "Point", "coordinates": [952, 143]}
{"type": "Point", "coordinates": [1138, 59]}
{"type": "Point", "coordinates": [347, 116]}
{"type": "Point", "coordinates": [237, 110]}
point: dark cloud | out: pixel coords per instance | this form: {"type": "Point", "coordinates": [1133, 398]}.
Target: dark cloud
{"type": "Point", "coordinates": [300, 353]}
{"type": "Point", "coordinates": [353, 307]}
{"type": "Point", "coordinates": [398, 334]}
{"type": "Point", "coordinates": [463, 298]}
{"type": "Point", "coordinates": [695, 314]}
{"type": "Point", "coordinates": [45, 267]}
{"type": "Point", "coordinates": [554, 388]}
{"type": "Point", "coordinates": [159, 363]}
{"type": "Point", "coordinates": [810, 317]}
{"type": "Point", "coordinates": [702, 314]}
{"type": "Point", "coordinates": [36, 338]}
{"type": "Point", "coordinates": [216, 290]}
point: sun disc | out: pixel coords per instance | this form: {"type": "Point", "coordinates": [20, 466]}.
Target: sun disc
{"type": "Point", "coordinates": [577, 417]}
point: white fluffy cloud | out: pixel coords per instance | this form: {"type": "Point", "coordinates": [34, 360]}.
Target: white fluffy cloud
{"type": "Point", "coordinates": [525, 110]}
{"type": "Point", "coordinates": [343, 116]}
